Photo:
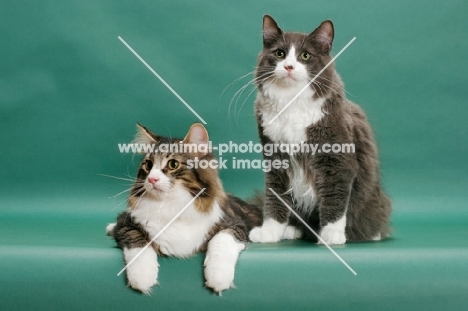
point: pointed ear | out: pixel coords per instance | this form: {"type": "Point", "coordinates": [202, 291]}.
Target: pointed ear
{"type": "Point", "coordinates": [144, 136]}
{"type": "Point", "coordinates": [271, 31]}
{"type": "Point", "coordinates": [198, 136]}
{"type": "Point", "coordinates": [322, 37]}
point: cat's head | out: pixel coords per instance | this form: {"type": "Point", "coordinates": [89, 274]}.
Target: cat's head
{"type": "Point", "coordinates": [291, 59]}
{"type": "Point", "coordinates": [171, 170]}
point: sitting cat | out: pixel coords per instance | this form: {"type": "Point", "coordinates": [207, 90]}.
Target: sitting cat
{"type": "Point", "coordinates": [337, 194]}
{"type": "Point", "coordinates": [216, 223]}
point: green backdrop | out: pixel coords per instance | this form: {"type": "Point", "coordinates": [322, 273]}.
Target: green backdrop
{"type": "Point", "coordinates": [70, 91]}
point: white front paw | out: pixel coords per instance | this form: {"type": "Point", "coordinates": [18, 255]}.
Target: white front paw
{"type": "Point", "coordinates": [142, 274]}
{"type": "Point", "coordinates": [270, 232]}
{"type": "Point", "coordinates": [220, 261]}
{"type": "Point", "coordinates": [332, 236]}
{"type": "Point", "coordinates": [219, 276]}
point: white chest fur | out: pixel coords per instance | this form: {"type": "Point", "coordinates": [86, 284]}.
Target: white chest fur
{"type": "Point", "coordinates": [291, 124]}
{"type": "Point", "coordinates": [186, 234]}
{"type": "Point", "coordinates": [302, 190]}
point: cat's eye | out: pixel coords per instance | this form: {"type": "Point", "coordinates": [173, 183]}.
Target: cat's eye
{"type": "Point", "coordinates": [148, 165]}
{"type": "Point", "coordinates": [172, 164]}
{"type": "Point", "coordinates": [305, 56]}
{"type": "Point", "coordinates": [280, 53]}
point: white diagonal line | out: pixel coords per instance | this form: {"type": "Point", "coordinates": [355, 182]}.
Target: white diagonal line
{"type": "Point", "coordinates": [312, 230]}
{"type": "Point", "coordinates": [312, 81]}
{"type": "Point", "coordinates": [162, 80]}
{"type": "Point", "coordinates": [162, 230]}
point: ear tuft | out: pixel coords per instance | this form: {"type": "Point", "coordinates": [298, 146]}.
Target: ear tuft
{"type": "Point", "coordinates": [323, 37]}
{"type": "Point", "coordinates": [144, 136]}
{"type": "Point", "coordinates": [271, 31]}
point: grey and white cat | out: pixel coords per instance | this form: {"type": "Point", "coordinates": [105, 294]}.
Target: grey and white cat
{"type": "Point", "coordinates": [338, 194]}
{"type": "Point", "coordinates": [216, 223]}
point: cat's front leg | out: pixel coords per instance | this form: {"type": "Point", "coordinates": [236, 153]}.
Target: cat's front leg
{"type": "Point", "coordinates": [220, 261]}
{"type": "Point", "coordinates": [334, 194]}
{"type": "Point", "coordinates": [275, 215]}
{"type": "Point", "coordinates": [142, 273]}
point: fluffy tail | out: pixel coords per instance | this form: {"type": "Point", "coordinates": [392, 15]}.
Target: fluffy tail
{"type": "Point", "coordinates": [258, 199]}
{"type": "Point", "coordinates": [387, 207]}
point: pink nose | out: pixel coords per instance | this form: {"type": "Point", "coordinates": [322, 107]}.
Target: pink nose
{"type": "Point", "coordinates": [153, 180]}
{"type": "Point", "coordinates": [289, 67]}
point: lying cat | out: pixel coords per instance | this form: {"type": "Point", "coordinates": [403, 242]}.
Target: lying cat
{"type": "Point", "coordinates": [337, 194]}
{"type": "Point", "coordinates": [216, 223]}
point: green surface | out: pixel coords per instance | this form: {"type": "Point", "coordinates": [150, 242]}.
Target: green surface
{"type": "Point", "coordinates": [70, 91]}
{"type": "Point", "coordinates": [54, 261]}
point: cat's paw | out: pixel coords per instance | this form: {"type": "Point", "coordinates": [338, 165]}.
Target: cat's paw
{"type": "Point", "coordinates": [271, 231]}
{"type": "Point", "coordinates": [220, 261]}
{"type": "Point", "coordinates": [142, 274]}
{"type": "Point", "coordinates": [292, 233]}
{"type": "Point", "coordinates": [334, 232]}
{"type": "Point", "coordinates": [219, 276]}
{"type": "Point", "coordinates": [332, 236]}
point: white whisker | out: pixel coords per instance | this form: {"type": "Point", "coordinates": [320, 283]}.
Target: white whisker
{"type": "Point", "coordinates": [120, 193]}
{"type": "Point", "coordinates": [238, 94]}
{"type": "Point", "coordinates": [115, 177]}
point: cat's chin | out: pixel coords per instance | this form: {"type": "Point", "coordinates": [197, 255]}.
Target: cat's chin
{"type": "Point", "coordinates": [156, 194]}
{"type": "Point", "coordinates": [288, 82]}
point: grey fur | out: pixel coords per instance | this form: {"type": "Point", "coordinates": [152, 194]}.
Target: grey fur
{"type": "Point", "coordinates": [343, 182]}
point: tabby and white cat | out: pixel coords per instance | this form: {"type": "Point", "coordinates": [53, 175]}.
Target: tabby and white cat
{"type": "Point", "coordinates": [216, 223]}
{"type": "Point", "coordinates": [338, 194]}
